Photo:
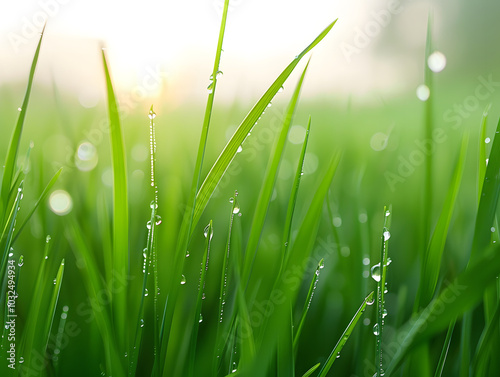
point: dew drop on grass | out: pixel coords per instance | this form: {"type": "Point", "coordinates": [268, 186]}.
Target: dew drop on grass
{"type": "Point", "coordinates": [47, 239]}
{"type": "Point", "coordinates": [231, 200]}
{"type": "Point", "coordinates": [201, 319]}
{"type": "Point", "coordinates": [281, 89]}
{"type": "Point", "coordinates": [157, 220]}
{"type": "Point", "coordinates": [151, 114]}
{"type": "Point", "coordinates": [375, 272]}
{"type": "Point", "coordinates": [146, 293]}
{"type": "Point", "coordinates": [370, 302]}
{"type": "Point", "coordinates": [183, 280]}
{"type": "Point", "coordinates": [206, 232]}
{"type": "Point", "coordinates": [376, 330]}
{"type": "Point", "coordinates": [54, 281]}
{"type": "Point", "coordinates": [240, 149]}
{"type": "Point", "coordinates": [21, 360]}
{"type": "Point", "coordinates": [387, 235]}
{"type": "Point", "coordinates": [321, 264]}
{"type": "Point", "coordinates": [187, 253]}
{"type": "Point", "coordinates": [21, 261]}
{"type": "Point", "coordinates": [153, 205]}
{"type": "Point", "coordinates": [236, 208]}
{"type": "Point", "coordinates": [142, 322]}
{"type": "Point", "coordinates": [492, 229]}
{"type": "Point", "coordinates": [384, 313]}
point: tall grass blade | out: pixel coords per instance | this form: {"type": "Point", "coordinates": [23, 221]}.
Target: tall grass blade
{"type": "Point", "coordinates": [198, 318]}
{"type": "Point", "coordinates": [380, 276]}
{"type": "Point", "coordinates": [444, 351]}
{"type": "Point", "coordinates": [307, 304]}
{"type": "Point", "coordinates": [267, 187]}
{"type": "Point", "coordinates": [482, 163]}
{"type": "Point", "coordinates": [485, 348]}
{"type": "Point", "coordinates": [344, 337]}
{"type": "Point", "coordinates": [231, 148]}
{"type": "Point", "coordinates": [120, 209]}
{"type": "Point", "coordinates": [10, 160]}
{"type": "Point", "coordinates": [293, 198]}
{"type": "Point", "coordinates": [94, 287]}
{"type": "Point", "coordinates": [432, 262]}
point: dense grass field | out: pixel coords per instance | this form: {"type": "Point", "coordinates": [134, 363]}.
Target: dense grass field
{"type": "Point", "coordinates": [280, 237]}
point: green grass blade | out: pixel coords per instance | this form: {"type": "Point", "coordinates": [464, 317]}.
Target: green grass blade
{"type": "Point", "coordinates": [307, 304]}
{"type": "Point", "coordinates": [293, 197]}
{"type": "Point", "coordinates": [231, 148]}
{"type": "Point", "coordinates": [482, 152]}
{"type": "Point", "coordinates": [120, 208]}
{"type": "Point", "coordinates": [432, 261]}
{"type": "Point", "coordinates": [311, 370]}
{"type": "Point", "coordinates": [30, 326]}
{"type": "Point", "coordinates": [444, 351]}
{"type": "Point", "coordinates": [454, 300]}
{"type": "Point", "coordinates": [10, 160]}
{"type": "Point", "coordinates": [187, 222]}
{"type": "Point", "coordinates": [267, 187]}
{"type": "Point", "coordinates": [53, 304]}
{"type": "Point", "coordinates": [381, 284]}
{"type": "Point", "coordinates": [285, 355]}
{"type": "Point", "coordinates": [42, 197]}
{"type": "Point", "coordinates": [489, 200]}
{"type": "Point", "coordinates": [208, 232]}
{"type": "Point", "coordinates": [94, 287]}
{"type": "Point", "coordinates": [485, 348]}
{"type": "Point", "coordinates": [345, 336]}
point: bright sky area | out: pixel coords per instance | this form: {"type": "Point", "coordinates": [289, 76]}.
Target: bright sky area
{"type": "Point", "coordinates": [155, 45]}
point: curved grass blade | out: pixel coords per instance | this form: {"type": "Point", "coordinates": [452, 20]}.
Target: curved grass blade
{"type": "Point", "coordinates": [489, 199]}
{"type": "Point", "coordinates": [120, 208]}
{"type": "Point", "coordinates": [345, 336]}
{"type": "Point", "coordinates": [454, 300]}
{"type": "Point", "coordinates": [485, 349]}
{"type": "Point", "coordinates": [307, 304]}
{"type": "Point", "coordinates": [432, 262]}
{"type": "Point", "coordinates": [42, 197]}
{"type": "Point", "coordinates": [10, 160]}
{"type": "Point", "coordinates": [444, 352]}
{"type": "Point", "coordinates": [267, 187]}
{"type": "Point", "coordinates": [231, 148]}
{"type": "Point", "coordinates": [311, 370]}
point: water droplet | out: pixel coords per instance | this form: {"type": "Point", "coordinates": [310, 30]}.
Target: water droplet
{"type": "Point", "coordinates": [423, 92]}
{"type": "Point", "coordinates": [436, 61]}
{"type": "Point", "coordinates": [375, 272]}
{"type": "Point", "coordinates": [183, 280]}
{"type": "Point", "coordinates": [240, 149]}
{"type": "Point", "coordinates": [231, 200]}
{"type": "Point", "coordinates": [201, 319]}
{"type": "Point", "coordinates": [142, 322]}
{"type": "Point", "coordinates": [203, 296]}
{"type": "Point", "coordinates": [54, 281]}
{"type": "Point", "coordinates": [151, 114]}
{"type": "Point", "coordinates": [370, 302]}
{"type": "Point", "coordinates": [492, 228]}
{"type": "Point", "coordinates": [46, 257]}
{"type": "Point", "coordinates": [387, 235]}
{"type": "Point", "coordinates": [206, 231]}
{"type": "Point", "coordinates": [338, 355]}
{"type": "Point", "coordinates": [388, 262]}
{"type": "Point", "coordinates": [47, 239]}
{"type": "Point", "coordinates": [384, 313]}
{"type": "Point", "coordinates": [322, 264]}
{"type": "Point", "coordinates": [146, 293]}
{"type": "Point", "coordinates": [21, 261]}
{"type": "Point", "coordinates": [281, 89]}
{"type": "Point", "coordinates": [157, 220]}
{"type": "Point", "coordinates": [187, 253]}
{"type": "Point", "coordinates": [153, 205]}
{"type": "Point", "coordinates": [487, 140]}
{"type": "Point", "coordinates": [148, 224]}
{"type": "Point", "coordinates": [21, 360]}
{"type": "Point", "coordinates": [236, 208]}
{"type": "Point", "coordinates": [376, 330]}
{"type": "Point", "coordinates": [387, 213]}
